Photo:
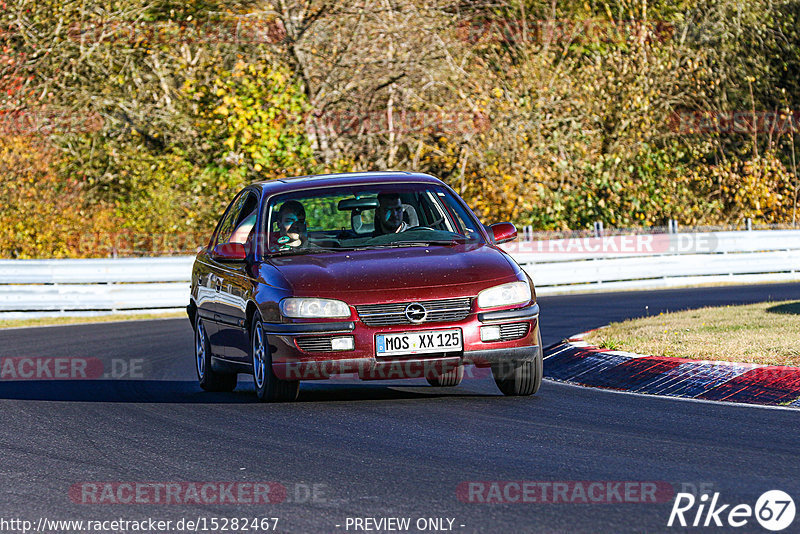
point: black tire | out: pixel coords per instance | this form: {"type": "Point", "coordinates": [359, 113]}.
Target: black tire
{"type": "Point", "coordinates": [269, 388]}
{"type": "Point", "coordinates": [209, 379]}
{"type": "Point", "coordinates": [451, 378]}
{"type": "Point", "coordinates": [515, 378]}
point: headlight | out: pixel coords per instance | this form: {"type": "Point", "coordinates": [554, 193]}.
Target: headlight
{"type": "Point", "coordinates": [504, 295]}
{"type": "Point", "coordinates": [302, 308]}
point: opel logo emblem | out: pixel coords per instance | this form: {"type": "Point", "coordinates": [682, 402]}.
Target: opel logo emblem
{"type": "Point", "coordinates": [416, 312]}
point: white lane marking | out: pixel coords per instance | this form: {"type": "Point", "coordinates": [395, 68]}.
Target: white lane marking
{"type": "Point", "coordinates": [670, 397]}
{"type": "Point", "coordinates": [186, 317]}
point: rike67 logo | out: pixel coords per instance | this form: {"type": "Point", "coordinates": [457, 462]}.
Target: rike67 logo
{"type": "Point", "coordinates": [774, 510]}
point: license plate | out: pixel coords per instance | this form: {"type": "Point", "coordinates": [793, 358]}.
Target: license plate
{"type": "Point", "coordinates": [418, 342]}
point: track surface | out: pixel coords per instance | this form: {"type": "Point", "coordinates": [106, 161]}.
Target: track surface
{"type": "Point", "coordinates": [379, 449]}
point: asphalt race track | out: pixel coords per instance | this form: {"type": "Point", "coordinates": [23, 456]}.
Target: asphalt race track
{"type": "Point", "coordinates": [378, 449]}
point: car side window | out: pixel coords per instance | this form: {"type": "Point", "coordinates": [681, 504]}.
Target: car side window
{"type": "Point", "coordinates": [246, 220]}
{"type": "Point", "coordinates": [228, 224]}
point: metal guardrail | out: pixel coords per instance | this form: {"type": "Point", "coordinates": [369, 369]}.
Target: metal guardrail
{"type": "Point", "coordinates": [659, 261]}
{"type": "Point", "coordinates": [31, 288]}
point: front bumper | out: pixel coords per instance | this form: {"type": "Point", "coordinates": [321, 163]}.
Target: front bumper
{"type": "Point", "coordinates": [299, 329]}
{"type": "Point", "coordinates": [290, 362]}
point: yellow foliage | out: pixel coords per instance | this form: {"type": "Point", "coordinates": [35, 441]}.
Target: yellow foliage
{"type": "Point", "coordinates": [43, 215]}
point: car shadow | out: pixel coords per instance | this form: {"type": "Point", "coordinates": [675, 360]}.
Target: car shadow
{"type": "Point", "coordinates": [188, 392]}
{"type": "Point", "coordinates": [789, 308]}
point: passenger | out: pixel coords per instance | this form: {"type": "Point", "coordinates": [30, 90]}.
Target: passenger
{"type": "Point", "coordinates": [389, 214]}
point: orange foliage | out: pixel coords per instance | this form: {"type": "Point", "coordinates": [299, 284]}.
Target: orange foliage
{"type": "Point", "coordinates": [41, 214]}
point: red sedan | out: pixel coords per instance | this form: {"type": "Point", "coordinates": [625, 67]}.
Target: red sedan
{"type": "Point", "coordinates": [369, 275]}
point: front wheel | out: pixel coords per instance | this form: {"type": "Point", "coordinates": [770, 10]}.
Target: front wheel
{"type": "Point", "coordinates": [520, 378]}
{"type": "Point", "coordinates": [209, 379]}
{"type": "Point", "coordinates": [450, 378]}
{"type": "Point", "coordinates": [269, 388]}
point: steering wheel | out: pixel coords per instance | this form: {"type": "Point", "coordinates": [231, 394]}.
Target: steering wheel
{"type": "Point", "coordinates": [421, 228]}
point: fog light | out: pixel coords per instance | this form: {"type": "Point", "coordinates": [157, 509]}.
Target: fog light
{"type": "Point", "coordinates": [490, 333]}
{"type": "Point", "coordinates": [342, 343]}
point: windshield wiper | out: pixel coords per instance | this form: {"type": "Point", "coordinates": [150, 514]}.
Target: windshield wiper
{"type": "Point", "coordinates": [300, 251]}
{"type": "Point", "coordinates": [400, 244]}
{"type": "Point", "coordinates": [429, 242]}
{"type": "Point", "coordinates": [394, 244]}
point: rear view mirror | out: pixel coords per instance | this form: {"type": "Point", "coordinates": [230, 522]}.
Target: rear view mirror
{"type": "Point", "coordinates": [357, 204]}
{"type": "Point", "coordinates": [503, 232]}
{"type": "Point", "coordinates": [229, 252]}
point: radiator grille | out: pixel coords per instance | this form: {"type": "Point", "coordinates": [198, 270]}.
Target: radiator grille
{"type": "Point", "coordinates": [439, 311]}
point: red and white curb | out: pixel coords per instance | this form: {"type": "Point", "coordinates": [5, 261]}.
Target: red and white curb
{"type": "Point", "coordinates": [577, 362]}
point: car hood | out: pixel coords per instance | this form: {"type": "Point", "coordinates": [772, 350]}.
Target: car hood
{"type": "Point", "coordinates": [397, 273]}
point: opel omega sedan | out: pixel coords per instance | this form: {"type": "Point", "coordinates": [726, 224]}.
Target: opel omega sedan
{"type": "Point", "coordinates": [366, 275]}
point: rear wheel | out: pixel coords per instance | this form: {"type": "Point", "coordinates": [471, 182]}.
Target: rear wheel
{"type": "Point", "coordinates": [269, 388]}
{"type": "Point", "coordinates": [209, 379]}
{"type": "Point", "coordinates": [450, 378]}
{"type": "Point", "coordinates": [519, 378]}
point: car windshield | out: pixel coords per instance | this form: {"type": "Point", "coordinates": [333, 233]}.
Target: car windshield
{"type": "Point", "coordinates": [366, 217]}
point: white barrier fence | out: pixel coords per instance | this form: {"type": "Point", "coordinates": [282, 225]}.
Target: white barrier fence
{"type": "Point", "coordinates": [30, 288]}
{"type": "Point", "coordinates": [50, 287]}
{"type": "Point", "coordinates": [659, 261]}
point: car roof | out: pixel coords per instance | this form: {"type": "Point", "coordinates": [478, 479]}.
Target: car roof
{"type": "Point", "coordinates": [298, 183]}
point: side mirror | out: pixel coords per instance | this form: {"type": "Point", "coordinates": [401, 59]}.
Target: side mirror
{"type": "Point", "coordinates": [503, 232]}
{"type": "Point", "coordinates": [228, 252]}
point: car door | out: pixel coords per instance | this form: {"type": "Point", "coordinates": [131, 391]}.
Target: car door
{"type": "Point", "coordinates": [236, 285]}
{"type": "Point", "coordinates": [216, 278]}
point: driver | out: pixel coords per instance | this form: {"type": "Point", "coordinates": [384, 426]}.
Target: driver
{"type": "Point", "coordinates": [389, 214]}
{"type": "Point", "coordinates": [292, 226]}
